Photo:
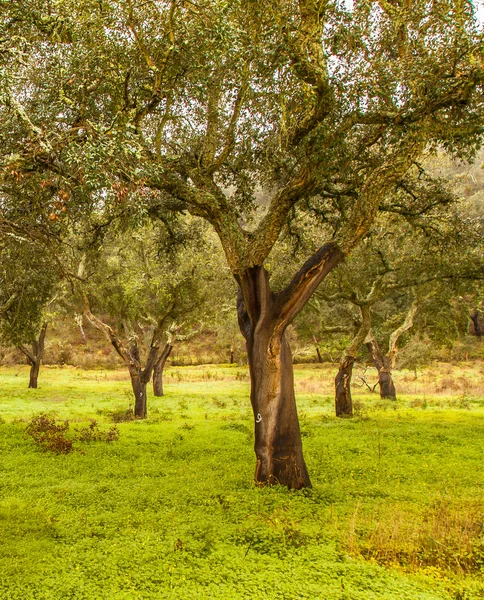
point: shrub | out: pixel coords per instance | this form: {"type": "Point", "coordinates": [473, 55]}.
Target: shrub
{"type": "Point", "coordinates": [92, 433]}
{"type": "Point", "coordinates": [47, 434]}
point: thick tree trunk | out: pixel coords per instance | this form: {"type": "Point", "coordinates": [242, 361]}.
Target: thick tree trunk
{"type": "Point", "coordinates": [343, 401]}
{"type": "Point", "coordinates": [263, 319]}
{"type": "Point", "coordinates": [385, 381]}
{"type": "Point", "coordinates": [278, 445]}
{"type": "Point", "coordinates": [158, 370]}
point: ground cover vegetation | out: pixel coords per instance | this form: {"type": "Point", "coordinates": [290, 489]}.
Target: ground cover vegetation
{"type": "Point", "coordinates": [248, 115]}
{"type": "Point", "coordinates": [168, 510]}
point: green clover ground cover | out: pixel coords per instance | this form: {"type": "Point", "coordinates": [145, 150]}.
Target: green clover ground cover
{"type": "Point", "coordinates": [169, 510]}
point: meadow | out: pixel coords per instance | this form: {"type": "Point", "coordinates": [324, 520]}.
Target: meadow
{"type": "Point", "coordinates": [169, 511]}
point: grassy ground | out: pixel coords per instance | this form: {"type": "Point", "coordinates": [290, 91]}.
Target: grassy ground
{"type": "Point", "coordinates": [169, 511]}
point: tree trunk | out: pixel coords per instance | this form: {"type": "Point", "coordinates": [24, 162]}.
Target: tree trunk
{"type": "Point", "coordinates": [263, 319]}
{"type": "Point", "coordinates": [34, 373]}
{"type": "Point", "coordinates": [232, 348]}
{"type": "Point", "coordinates": [34, 357]}
{"type": "Point", "coordinates": [477, 326]}
{"type": "Point", "coordinates": [343, 401]}
{"type": "Point", "coordinates": [318, 352]}
{"type": "Point", "coordinates": [158, 370]}
{"type": "Point", "coordinates": [138, 384]}
{"type": "Point", "coordinates": [385, 381]}
{"type": "Point", "coordinates": [383, 366]}
{"type": "Point", "coordinates": [278, 445]}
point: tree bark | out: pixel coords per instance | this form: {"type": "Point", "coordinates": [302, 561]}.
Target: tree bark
{"type": "Point", "coordinates": [343, 402]}
{"type": "Point", "coordinates": [138, 383]}
{"type": "Point", "coordinates": [474, 316]}
{"type": "Point", "coordinates": [34, 357]}
{"type": "Point", "coordinates": [158, 370]}
{"type": "Point", "coordinates": [263, 319]}
{"type": "Point", "coordinates": [383, 366]}
{"type": "Point", "coordinates": [131, 357]}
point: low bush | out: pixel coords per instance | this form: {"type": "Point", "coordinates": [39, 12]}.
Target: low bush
{"type": "Point", "coordinates": [49, 435]}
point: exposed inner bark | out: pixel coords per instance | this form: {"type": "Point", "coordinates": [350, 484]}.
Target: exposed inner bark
{"type": "Point", "coordinates": [158, 370]}
{"type": "Point", "coordinates": [34, 356]}
{"type": "Point", "coordinates": [343, 401]}
{"type": "Point", "coordinates": [263, 319]}
{"type": "Point", "coordinates": [383, 366]}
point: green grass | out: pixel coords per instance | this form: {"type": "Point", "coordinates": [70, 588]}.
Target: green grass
{"type": "Point", "coordinates": [170, 511]}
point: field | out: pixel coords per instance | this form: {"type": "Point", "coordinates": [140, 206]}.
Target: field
{"type": "Point", "coordinates": [169, 511]}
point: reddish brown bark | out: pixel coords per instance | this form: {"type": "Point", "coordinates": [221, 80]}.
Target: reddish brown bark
{"type": "Point", "coordinates": [343, 401]}
{"type": "Point", "coordinates": [263, 319]}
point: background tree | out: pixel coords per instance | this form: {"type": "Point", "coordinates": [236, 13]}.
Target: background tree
{"type": "Point", "coordinates": [149, 294]}
{"type": "Point", "coordinates": [28, 277]}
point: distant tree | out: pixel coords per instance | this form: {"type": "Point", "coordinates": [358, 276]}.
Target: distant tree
{"type": "Point", "coordinates": [28, 277]}
{"type": "Point", "coordinates": [397, 273]}
{"type": "Point", "coordinates": [149, 295]}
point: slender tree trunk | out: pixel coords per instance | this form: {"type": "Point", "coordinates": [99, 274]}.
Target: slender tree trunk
{"type": "Point", "coordinates": [34, 374]}
{"type": "Point", "coordinates": [138, 383]}
{"type": "Point", "coordinates": [232, 349]}
{"type": "Point", "coordinates": [158, 370]}
{"type": "Point", "coordinates": [477, 326]}
{"type": "Point", "coordinates": [318, 351]}
{"type": "Point", "coordinates": [343, 401]}
{"type": "Point", "coordinates": [34, 357]}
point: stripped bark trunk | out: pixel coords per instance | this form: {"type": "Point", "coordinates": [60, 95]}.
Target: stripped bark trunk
{"type": "Point", "coordinates": [383, 366]}
{"type": "Point", "coordinates": [386, 363]}
{"type": "Point", "coordinates": [34, 356]}
{"type": "Point", "coordinates": [158, 370]}
{"type": "Point", "coordinates": [263, 319]}
{"type": "Point", "coordinates": [343, 401]}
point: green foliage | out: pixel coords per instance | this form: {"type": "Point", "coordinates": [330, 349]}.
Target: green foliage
{"type": "Point", "coordinates": [28, 276]}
